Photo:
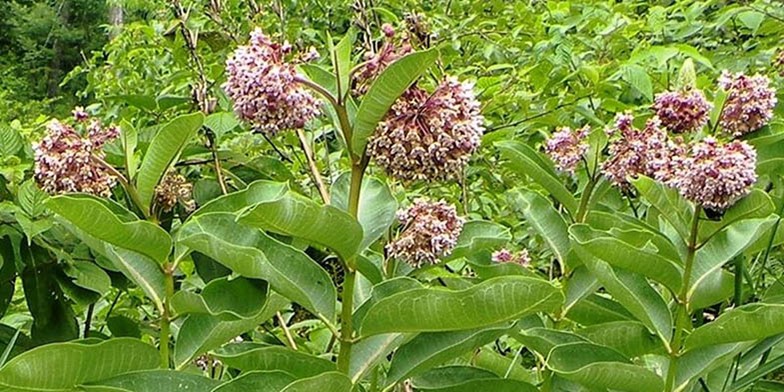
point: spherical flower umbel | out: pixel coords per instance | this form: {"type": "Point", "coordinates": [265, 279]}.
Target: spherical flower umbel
{"type": "Point", "coordinates": [430, 231]}
{"type": "Point", "coordinates": [265, 88]}
{"type": "Point", "coordinates": [506, 256]}
{"type": "Point", "coordinates": [749, 103]}
{"type": "Point", "coordinates": [682, 111]}
{"type": "Point", "coordinates": [566, 147]}
{"type": "Point", "coordinates": [716, 175]}
{"type": "Point", "coordinates": [428, 136]}
{"type": "Point", "coordinates": [66, 161]}
{"type": "Point", "coordinates": [172, 189]}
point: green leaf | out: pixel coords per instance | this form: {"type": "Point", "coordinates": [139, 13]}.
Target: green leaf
{"type": "Point", "coordinates": [97, 218]}
{"type": "Point", "coordinates": [431, 349]}
{"type": "Point", "coordinates": [253, 254]}
{"type": "Point", "coordinates": [490, 302]}
{"type": "Point", "coordinates": [384, 91]}
{"type": "Point", "coordinates": [159, 380]}
{"type": "Point", "coordinates": [597, 309]}
{"type": "Point", "coordinates": [698, 362]}
{"type": "Point", "coordinates": [202, 332]}
{"type": "Point", "coordinates": [639, 79]}
{"type": "Point", "coordinates": [221, 123]}
{"type": "Point", "coordinates": [89, 276]}
{"type": "Point", "coordinates": [164, 149]}
{"type": "Point", "coordinates": [129, 139]}
{"type": "Point", "coordinates": [478, 235]}
{"type": "Point", "coordinates": [449, 376]}
{"type": "Point", "coordinates": [258, 381]}
{"type": "Point", "coordinates": [756, 204]}
{"type": "Point", "coordinates": [298, 216]}
{"type": "Point", "coordinates": [601, 367]}
{"type": "Point", "coordinates": [377, 206]}
{"type": "Point", "coordinates": [257, 192]}
{"type": "Point", "coordinates": [524, 160]}
{"type": "Point", "coordinates": [676, 210]}
{"type": "Point", "coordinates": [298, 364]}
{"type": "Point", "coordinates": [369, 352]}
{"type": "Point", "coordinates": [227, 299]}
{"type": "Point", "coordinates": [31, 199]}
{"type": "Point", "coordinates": [341, 63]}
{"type": "Point", "coordinates": [76, 363]}
{"type": "Point", "coordinates": [324, 382]}
{"type": "Point", "coordinates": [631, 338]}
{"type": "Point", "coordinates": [749, 322]}
{"type": "Point", "coordinates": [542, 340]}
{"type": "Point", "coordinates": [488, 384]}
{"type": "Point", "coordinates": [542, 217]}
{"type": "Point", "coordinates": [10, 141]}
{"type": "Point", "coordinates": [581, 284]}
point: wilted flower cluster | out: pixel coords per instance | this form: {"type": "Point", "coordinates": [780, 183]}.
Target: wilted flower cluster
{"type": "Point", "coordinates": [639, 152]}
{"type": "Point", "coordinates": [429, 136]}
{"type": "Point", "coordinates": [172, 189]}
{"type": "Point", "coordinates": [682, 111]}
{"type": "Point", "coordinates": [566, 147]}
{"type": "Point", "coordinates": [265, 89]}
{"type": "Point", "coordinates": [716, 175]}
{"type": "Point", "coordinates": [749, 104]}
{"type": "Point", "coordinates": [507, 256]}
{"type": "Point", "coordinates": [430, 231]}
{"type": "Point", "coordinates": [375, 62]}
{"type": "Point", "coordinates": [67, 161]}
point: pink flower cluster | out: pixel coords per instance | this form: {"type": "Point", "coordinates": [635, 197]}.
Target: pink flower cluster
{"type": "Point", "coordinates": [430, 231]}
{"type": "Point", "coordinates": [66, 161]}
{"type": "Point", "coordinates": [376, 62]}
{"type": "Point", "coordinates": [265, 88]}
{"type": "Point", "coordinates": [507, 256]}
{"type": "Point", "coordinates": [749, 103]}
{"type": "Point", "coordinates": [716, 175]}
{"type": "Point", "coordinates": [682, 111]}
{"type": "Point", "coordinates": [428, 136]}
{"type": "Point", "coordinates": [566, 147]}
{"type": "Point", "coordinates": [172, 189]}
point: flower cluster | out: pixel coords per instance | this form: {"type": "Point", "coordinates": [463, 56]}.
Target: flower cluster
{"type": "Point", "coordinates": [430, 231]}
{"type": "Point", "coordinates": [429, 136]}
{"type": "Point", "coordinates": [638, 152]}
{"type": "Point", "coordinates": [566, 147]}
{"type": "Point", "coordinates": [682, 111]}
{"type": "Point", "coordinates": [375, 62]}
{"type": "Point", "coordinates": [749, 103]}
{"type": "Point", "coordinates": [716, 175]}
{"type": "Point", "coordinates": [507, 256]}
{"type": "Point", "coordinates": [66, 161]}
{"type": "Point", "coordinates": [265, 88]}
{"type": "Point", "coordinates": [172, 189]}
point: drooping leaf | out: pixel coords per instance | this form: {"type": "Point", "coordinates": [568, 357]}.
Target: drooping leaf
{"type": "Point", "coordinates": [227, 299]}
{"type": "Point", "coordinates": [256, 192]}
{"type": "Point", "coordinates": [542, 217]}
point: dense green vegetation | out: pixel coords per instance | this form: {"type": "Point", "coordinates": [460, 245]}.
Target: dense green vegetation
{"type": "Point", "coordinates": [445, 195]}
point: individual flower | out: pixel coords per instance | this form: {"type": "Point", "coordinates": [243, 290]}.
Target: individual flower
{"type": "Point", "coordinates": [173, 189]}
{"type": "Point", "coordinates": [377, 61]}
{"type": "Point", "coordinates": [430, 231]}
{"type": "Point", "coordinates": [566, 147]}
{"type": "Point", "coordinates": [79, 114]}
{"type": "Point", "coordinates": [636, 152]}
{"type": "Point", "coordinates": [265, 88]}
{"type": "Point", "coordinates": [682, 111]}
{"type": "Point", "coordinates": [428, 136]}
{"type": "Point", "coordinates": [66, 161]}
{"type": "Point", "coordinates": [749, 103]}
{"type": "Point", "coordinates": [507, 256]}
{"type": "Point", "coordinates": [716, 175]}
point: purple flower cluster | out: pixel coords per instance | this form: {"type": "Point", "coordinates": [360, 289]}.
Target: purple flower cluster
{"type": "Point", "coordinates": [507, 256]}
{"type": "Point", "coordinates": [682, 111]}
{"type": "Point", "coordinates": [376, 62]}
{"type": "Point", "coordinates": [429, 136]}
{"type": "Point", "coordinates": [265, 88]}
{"type": "Point", "coordinates": [172, 189]}
{"type": "Point", "coordinates": [66, 161]}
{"type": "Point", "coordinates": [716, 175]}
{"type": "Point", "coordinates": [566, 147]}
{"type": "Point", "coordinates": [749, 104]}
{"type": "Point", "coordinates": [430, 231]}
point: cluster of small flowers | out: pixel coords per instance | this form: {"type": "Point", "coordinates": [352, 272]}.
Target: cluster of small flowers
{"type": "Point", "coordinates": [430, 231]}
{"type": "Point", "coordinates": [749, 103]}
{"type": "Point", "coordinates": [507, 256]}
{"type": "Point", "coordinates": [429, 136]}
{"type": "Point", "coordinates": [172, 189]}
{"type": "Point", "coordinates": [206, 362]}
{"type": "Point", "coordinates": [265, 88]}
{"type": "Point", "coordinates": [639, 152]}
{"type": "Point", "coordinates": [66, 161]}
{"type": "Point", "coordinates": [682, 111]}
{"type": "Point", "coordinates": [566, 147]}
{"type": "Point", "coordinates": [716, 175]}
{"type": "Point", "coordinates": [376, 62]}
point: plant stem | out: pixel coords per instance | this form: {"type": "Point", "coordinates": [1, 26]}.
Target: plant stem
{"type": "Point", "coordinates": [286, 331]}
{"type": "Point", "coordinates": [129, 188]}
{"type": "Point", "coordinates": [166, 315]}
{"type": "Point", "coordinates": [88, 320]}
{"type": "Point", "coordinates": [313, 168]}
{"type": "Point", "coordinates": [683, 316]}
{"type": "Point", "coordinates": [582, 211]}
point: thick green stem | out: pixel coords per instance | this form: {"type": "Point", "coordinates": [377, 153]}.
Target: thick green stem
{"type": "Point", "coordinates": [683, 313]}
{"type": "Point", "coordinates": [582, 211]}
{"type": "Point", "coordinates": [166, 315]}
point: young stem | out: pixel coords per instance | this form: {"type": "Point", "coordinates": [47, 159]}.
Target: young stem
{"type": "Point", "coordinates": [166, 315]}
{"type": "Point", "coordinates": [129, 188]}
{"type": "Point", "coordinates": [346, 327]}
{"type": "Point", "coordinates": [683, 315]}
{"type": "Point", "coordinates": [314, 171]}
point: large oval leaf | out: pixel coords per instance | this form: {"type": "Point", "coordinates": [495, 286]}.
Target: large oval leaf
{"type": "Point", "coordinates": [542, 217]}
{"type": "Point", "coordinates": [433, 309]}
{"type": "Point", "coordinates": [258, 381]}
{"type": "Point", "coordinates": [227, 299]}
{"type": "Point", "coordinates": [298, 364]}
{"type": "Point", "coordinates": [257, 192]}
{"type": "Point", "coordinates": [157, 380]}
{"type": "Point", "coordinates": [377, 206]}
{"type": "Point", "coordinates": [325, 382]}
{"type": "Point", "coordinates": [748, 322]}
